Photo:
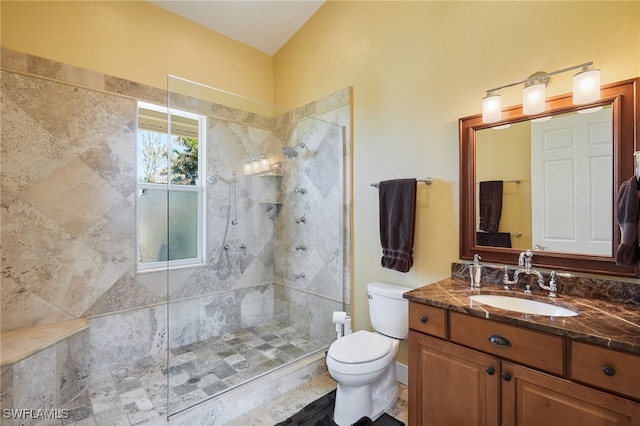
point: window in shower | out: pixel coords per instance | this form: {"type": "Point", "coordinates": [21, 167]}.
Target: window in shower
{"type": "Point", "coordinates": [170, 157]}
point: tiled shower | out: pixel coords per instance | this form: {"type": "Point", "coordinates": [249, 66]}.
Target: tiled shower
{"type": "Point", "coordinates": [69, 232]}
{"type": "Point", "coordinates": [284, 268]}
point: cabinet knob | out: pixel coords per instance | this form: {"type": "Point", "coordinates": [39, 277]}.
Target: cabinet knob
{"type": "Point", "coordinates": [490, 371]}
{"type": "Point", "coordinates": [499, 341]}
{"type": "Point", "coordinates": [424, 319]}
{"type": "Point", "coordinates": [506, 377]}
{"type": "Point", "coordinates": [609, 371]}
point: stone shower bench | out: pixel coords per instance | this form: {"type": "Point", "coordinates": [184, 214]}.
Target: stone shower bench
{"type": "Point", "coordinates": [45, 366]}
{"type": "Point", "coordinates": [16, 345]}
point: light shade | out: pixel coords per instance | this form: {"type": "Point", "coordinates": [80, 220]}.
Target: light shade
{"type": "Point", "coordinates": [586, 87]}
{"type": "Point", "coordinates": [491, 108]}
{"type": "Point", "coordinates": [533, 98]}
{"type": "Point", "coordinates": [264, 164]}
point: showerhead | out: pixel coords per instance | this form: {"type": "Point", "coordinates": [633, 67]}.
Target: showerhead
{"type": "Point", "coordinates": [291, 153]}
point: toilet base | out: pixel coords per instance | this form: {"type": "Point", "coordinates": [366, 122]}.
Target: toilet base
{"type": "Point", "coordinates": [370, 400]}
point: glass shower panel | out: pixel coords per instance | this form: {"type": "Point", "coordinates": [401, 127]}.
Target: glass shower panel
{"type": "Point", "coordinates": [274, 243]}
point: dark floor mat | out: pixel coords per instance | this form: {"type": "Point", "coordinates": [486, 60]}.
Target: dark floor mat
{"type": "Point", "coordinates": [320, 413]}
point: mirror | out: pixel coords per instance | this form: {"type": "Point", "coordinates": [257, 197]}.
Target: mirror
{"type": "Point", "coordinates": [512, 177]}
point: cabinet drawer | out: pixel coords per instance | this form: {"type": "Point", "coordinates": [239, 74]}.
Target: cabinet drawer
{"type": "Point", "coordinates": [605, 368]}
{"type": "Point", "coordinates": [428, 319]}
{"type": "Point", "coordinates": [536, 349]}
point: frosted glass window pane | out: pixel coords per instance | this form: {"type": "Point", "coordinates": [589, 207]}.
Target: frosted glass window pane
{"type": "Point", "coordinates": [153, 225]}
{"type": "Point", "coordinates": [181, 241]}
{"type": "Point", "coordinates": [183, 225]}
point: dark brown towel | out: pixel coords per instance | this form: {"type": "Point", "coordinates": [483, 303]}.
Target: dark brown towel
{"type": "Point", "coordinates": [397, 222]}
{"type": "Point", "coordinates": [490, 205]}
{"type": "Point", "coordinates": [493, 239]}
{"type": "Point", "coordinates": [628, 213]}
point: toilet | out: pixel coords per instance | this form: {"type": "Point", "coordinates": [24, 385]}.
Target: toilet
{"type": "Point", "coordinates": [363, 363]}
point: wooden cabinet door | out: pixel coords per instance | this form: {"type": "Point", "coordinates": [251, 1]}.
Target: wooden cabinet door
{"type": "Point", "coordinates": [530, 398]}
{"type": "Point", "coordinates": [450, 385]}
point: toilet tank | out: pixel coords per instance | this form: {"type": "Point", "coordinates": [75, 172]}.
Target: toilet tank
{"type": "Point", "coordinates": [388, 310]}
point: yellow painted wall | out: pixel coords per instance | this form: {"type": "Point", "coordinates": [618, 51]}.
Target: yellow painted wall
{"type": "Point", "coordinates": [415, 68]}
{"type": "Point", "coordinates": [137, 41]}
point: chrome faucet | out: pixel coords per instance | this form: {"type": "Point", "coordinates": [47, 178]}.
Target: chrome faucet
{"type": "Point", "coordinates": [552, 287]}
{"type": "Point", "coordinates": [524, 263]}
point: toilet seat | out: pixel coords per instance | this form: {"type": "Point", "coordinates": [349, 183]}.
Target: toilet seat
{"type": "Point", "coordinates": [360, 347]}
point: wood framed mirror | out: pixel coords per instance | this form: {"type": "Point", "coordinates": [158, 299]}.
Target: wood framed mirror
{"type": "Point", "coordinates": [620, 101]}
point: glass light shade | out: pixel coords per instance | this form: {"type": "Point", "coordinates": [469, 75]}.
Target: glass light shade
{"type": "Point", "coordinates": [247, 169]}
{"type": "Point", "coordinates": [255, 166]}
{"type": "Point", "coordinates": [586, 87]}
{"type": "Point", "coordinates": [541, 119]}
{"type": "Point", "coordinates": [533, 98]}
{"type": "Point", "coordinates": [589, 110]}
{"type": "Point", "coordinates": [501, 127]}
{"type": "Point", "coordinates": [491, 108]}
{"type": "Point", "coordinates": [264, 164]}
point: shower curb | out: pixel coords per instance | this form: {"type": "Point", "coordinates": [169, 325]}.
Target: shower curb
{"type": "Point", "coordinates": [245, 398]}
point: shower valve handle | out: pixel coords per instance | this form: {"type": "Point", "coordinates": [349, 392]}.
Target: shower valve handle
{"type": "Point", "coordinates": [301, 190]}
{"type": "Point", "coordinates": [301, 247]}
{"type": "Point", "coordinates": [301, 219]}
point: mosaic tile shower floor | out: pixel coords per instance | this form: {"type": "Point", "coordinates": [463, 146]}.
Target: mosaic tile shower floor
{"type": "Point", "coordinates": [136, 393]}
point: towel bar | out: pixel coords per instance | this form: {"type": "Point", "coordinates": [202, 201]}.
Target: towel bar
{"type": "Point", "coordinates": [427, 180]}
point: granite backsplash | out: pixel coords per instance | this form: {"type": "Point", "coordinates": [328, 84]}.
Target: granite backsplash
{"type": "Point", "coordinates": [589, 288]}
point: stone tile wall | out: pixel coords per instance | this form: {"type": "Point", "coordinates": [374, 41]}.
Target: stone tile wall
{"type": "Point", "coordinates": [68, 214]}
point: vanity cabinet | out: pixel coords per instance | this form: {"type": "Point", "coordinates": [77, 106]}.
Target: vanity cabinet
{"type": "Point", "coordinates": [530, 397]}
{"type": "Point", "coordinates": [451, 385]}
{"type": "Point", "coordinates": [466, 370]}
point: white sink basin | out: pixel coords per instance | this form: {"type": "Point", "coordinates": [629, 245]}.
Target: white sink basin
{"type": "Point", "coordinates": [524, 306]}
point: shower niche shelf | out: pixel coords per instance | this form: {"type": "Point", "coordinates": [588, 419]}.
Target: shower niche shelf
{"type": "Point", "coordinates": [271, 208]}
{"type": "Point", "coordinates": [272, 192]}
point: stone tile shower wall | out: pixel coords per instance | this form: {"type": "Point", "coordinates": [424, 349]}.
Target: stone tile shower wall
{"type": "Point", "coordinates": [68, 204]}
{"type": "Point", "coordinates": [262, 257]}
{"type": "Point", "coordinates": [68, 217]}
{"type": "Point", "coordinates": [313, 188]}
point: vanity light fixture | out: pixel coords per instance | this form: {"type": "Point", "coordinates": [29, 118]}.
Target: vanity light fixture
{"type": "Point", "coordinates": [589, 110]}
{"type": "Point", "coordinates": [586, 89]}
{"type": "Point", "coordinates": [586, 85]}
{"type": "Point", "coordinates": [533, 94]}
{"type": "Point", "coordinates": [491, 108]}
{"type": "Point", "coordinates": [541, 119]}
{"type": "Point", "coordinates": [501, 126]}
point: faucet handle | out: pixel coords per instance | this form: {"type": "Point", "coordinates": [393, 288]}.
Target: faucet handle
{"type": "Point", "coordinates": [505, 278]}
{"type": "Point", "coordinates": [553, 288]}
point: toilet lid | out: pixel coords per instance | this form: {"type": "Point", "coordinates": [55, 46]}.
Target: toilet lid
{"type": "Point", "coordinates": [358, 347]}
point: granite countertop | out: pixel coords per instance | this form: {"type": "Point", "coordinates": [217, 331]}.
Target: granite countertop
{"type": "Point", "coordinates": [609, 324]}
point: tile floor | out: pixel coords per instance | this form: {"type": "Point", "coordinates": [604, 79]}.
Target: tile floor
{"type": "Point", "coordinates": [293, 401]}
{"type": "Point", "coordinates": [275, 411]}
{"type": "Point", "coordinates": [136, 393]}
